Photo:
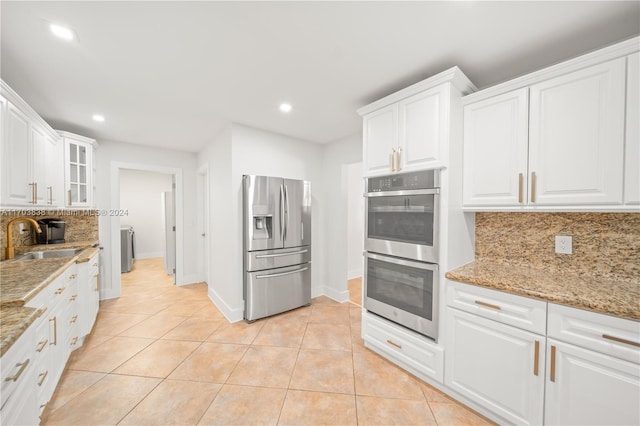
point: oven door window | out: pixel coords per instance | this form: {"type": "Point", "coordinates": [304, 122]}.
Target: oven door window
{"type": "Point", "coordinates": [404, 287]}
{"type": "Point", "coordinates": [407, 219]}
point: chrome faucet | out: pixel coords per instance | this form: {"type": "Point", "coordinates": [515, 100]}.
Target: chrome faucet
{"type": "Point", "coordinates": [9, 251]}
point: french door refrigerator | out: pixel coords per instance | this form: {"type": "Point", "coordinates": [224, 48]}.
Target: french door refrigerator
{"type": "Point", "coordinates": [277, 245]}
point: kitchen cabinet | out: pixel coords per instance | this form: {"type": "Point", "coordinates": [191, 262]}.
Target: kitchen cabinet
{"type": "Point", "coordinates": [32, 172]}
{"type": "Point", "coordinates": [17, 383]}
{"type": "Point", "coordinates": [632, 136]}
{"type": "Point", "coordinates": [79, 172]}
{"type": "Point", "coordinates": [411, 351]}
{"type": "Point", "coordinates": [489, 360]}
{"type": "Point", "coordinates": [556, 140]}
{"type": "Point", "coordinates": [593, 374]}
{"type": "Point", "coordinates": [89, 294]}
{"type": "Point", "coordinates": [409, 130]}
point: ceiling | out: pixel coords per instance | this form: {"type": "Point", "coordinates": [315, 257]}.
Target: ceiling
{"type": "Point", "coordinates": [173, 74]}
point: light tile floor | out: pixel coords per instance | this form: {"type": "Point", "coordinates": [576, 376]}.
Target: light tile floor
{"type": "Point", "coordinates": [162, 354]}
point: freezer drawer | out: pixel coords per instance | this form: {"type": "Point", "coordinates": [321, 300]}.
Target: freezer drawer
{"type": "Point", "coordinates": [278, 258]}
{"type": "Point", "coordinates": [278, 290]}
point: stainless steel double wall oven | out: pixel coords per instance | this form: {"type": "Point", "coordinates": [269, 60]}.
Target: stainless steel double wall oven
{"type": "Point", "coordinates": [401, 243]}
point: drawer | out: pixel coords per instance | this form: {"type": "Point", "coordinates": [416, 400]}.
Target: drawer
{"type": "Point", "coordinates": [16, 366]}
{"type": "Point", "coordinates": [606, 334]}
{"type": "Point", "coordinates": [94, 265]}
{"type": "Point", "coordinates": [522, 312]}
{"type": "Point", "coordinates": [413, 352]}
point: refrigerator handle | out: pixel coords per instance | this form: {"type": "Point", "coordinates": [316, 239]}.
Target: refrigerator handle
{"type": "Point", "coordinates": [286, 209]}
{"type": "Point", "coordinates": [282, 212]}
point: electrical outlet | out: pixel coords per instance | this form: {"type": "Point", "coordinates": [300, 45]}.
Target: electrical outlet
{"type": "Point", "coordinates": [22, 228]}
{"type": "Point", "coordinates": [564, 244]}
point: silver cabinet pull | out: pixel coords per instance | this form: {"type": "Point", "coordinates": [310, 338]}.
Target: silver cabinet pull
{"type": "Point", "coordinates": [281, 274]}
{"type": "Point", "coordinates": [520, 187]}
{"type": "Point", "coordinates": [69, 197]}
{"type": "Point", "coordinates": [536, 358]}
{"type": "Point", "coordinates": [33, 192]}
{"type": "Point", "coordinates": [50, 189]}
{"type": "Point", "coordinates": [552, 370]}
{"type": "Point", "coordinates": [533, 187]}
{"type": "Point", "coordinates": [392, 343]}
{"type": "Point", "coordinates": [16, 376]}
{"type": "Point", "coordinates": [398, 155]}
{"type": "Point", "coordinates": [392, 158]}
{"type": "Point", "coordinates": [488, 305]}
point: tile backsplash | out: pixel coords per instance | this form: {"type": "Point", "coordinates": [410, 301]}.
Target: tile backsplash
{"type": "Point", "coordinates": [82, 225]}
{"type": "Point", "coordinates": [605, 245]}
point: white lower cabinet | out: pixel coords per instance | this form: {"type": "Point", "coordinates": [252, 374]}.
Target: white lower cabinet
{"type": "Point", "coordinates": [577, 368]}
{"type": "Point", "coordinates": [411, 351]}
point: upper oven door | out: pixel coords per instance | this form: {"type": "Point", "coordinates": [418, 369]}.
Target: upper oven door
{"type": "Point", "coordinates": [403, 223]}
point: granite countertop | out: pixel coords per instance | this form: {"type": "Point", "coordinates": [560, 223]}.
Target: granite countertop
{"type": "Point", "coordinates": [617, 298]}
{"type": "Point", "coordinates": [21, 280]}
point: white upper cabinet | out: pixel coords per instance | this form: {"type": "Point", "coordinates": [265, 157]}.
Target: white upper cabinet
{"type": "Point", "coordinates": [554, 140]}
{"type": "Point", "coordinates": [495, 150]}
{"type": "Point", "coordinates": [409, 130]}
{"type": "Point", "coordinates": [381, 140]}
{"type": "Point", "coordinates": [32, 172]}
{"type": "Point", "coordinates": [632, 138]}
{"type": "Point", "coordinates": [78, 158]}
{"type": "Point", "coordinates": [576, 137]}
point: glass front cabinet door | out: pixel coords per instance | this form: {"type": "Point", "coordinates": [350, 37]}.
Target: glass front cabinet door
{"type": "Point", "coordinates": [78, 170]}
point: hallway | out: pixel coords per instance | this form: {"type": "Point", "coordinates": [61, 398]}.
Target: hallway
{"type": "Point", "coordinates": [162, 354]}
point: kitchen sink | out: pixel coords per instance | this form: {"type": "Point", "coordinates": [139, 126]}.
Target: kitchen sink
{"type": "Point", "coordinates": [48, 254]}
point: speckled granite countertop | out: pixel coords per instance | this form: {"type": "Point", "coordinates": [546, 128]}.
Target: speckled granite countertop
{"type": "Point", "coordinates": [618, 298]}
{"type": "Point", "coordinates": [21, 280]}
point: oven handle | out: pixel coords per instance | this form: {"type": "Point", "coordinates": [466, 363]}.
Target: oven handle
{"type": "Point", "coordinates": [403, 193]}
{"type": "Point", "coordinates": [402, 262]}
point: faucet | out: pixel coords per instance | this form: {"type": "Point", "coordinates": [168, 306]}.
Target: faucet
{"type": "Point", "coordinates": [9, 251]}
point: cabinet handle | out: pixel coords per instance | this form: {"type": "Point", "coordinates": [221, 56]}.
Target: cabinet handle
{"type": "Point", "coordinates": [398, 155]}
{"type": "Point", "coordinates": [73, 276]}
{"type": "Point", "coordinates": [488, 305]}
{"type": "Point", "coordinates": [552, 370]}
{"type": "Point", "coordinates": [536, 358]}
{"type": "Point", "coordinates": [392, 158]}
{"type": "Point", "coordinates": [41, 345]}
{"type": "Point", "coordinates": [55, 330]}
{"type": "Point", "coordinates": [50, 189]}
{"type": "Point", "coordinates": [73, 319]}
{"type": "Point", "coordinates": [73, 298]}
{"type": "Point", "coordinates": [520, 187]}
{"type": "Point", "coordinates": [42, 377]}
{"type": "Point", "coordinates": [73, 341]}
{"type": "Point", "coordinates": [42, 311]}
{"type": "Point", "coordinates": [60, 290]}
{"type": "Point", "coordinates": [69, 197]}
{"type": "Point", "coordinates": [533, 187]}
{"type": "Point", "coordinates": [621, 340]}
{"type": "Point", "coordinates": [16, 376]}
{"type": "Point", "coordinates": [33, 192]}
{"type": "Point", "coordinates": [392, 343]}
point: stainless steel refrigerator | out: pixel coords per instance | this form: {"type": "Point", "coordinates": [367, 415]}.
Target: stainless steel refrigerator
{"type": "Point", "coordinates": [277, 245]}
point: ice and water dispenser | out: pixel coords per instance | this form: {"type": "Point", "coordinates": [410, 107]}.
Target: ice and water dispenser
{"type": "Point", "coordinates": [262, 227]}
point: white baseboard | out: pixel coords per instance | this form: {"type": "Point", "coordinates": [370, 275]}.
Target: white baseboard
{"type": "Point", "coordinates": [232, 315]}
{"type": "Point", "coordinates": [338, 296]}
{"type": "Point", "coordinates": [149, 255]}
{"type": "Point", "coordinates": [190, 279]}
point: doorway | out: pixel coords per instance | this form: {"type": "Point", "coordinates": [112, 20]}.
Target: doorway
{"type": "Point", "coordinates": [355, 231]}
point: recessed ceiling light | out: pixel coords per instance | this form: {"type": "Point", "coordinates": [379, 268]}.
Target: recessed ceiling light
{"type": "Point", "coordinates": [98, 117]}
{"type": "Point", "coordinates": [62, 32]}
{"type": "Point", "coordinates": [285, 107]}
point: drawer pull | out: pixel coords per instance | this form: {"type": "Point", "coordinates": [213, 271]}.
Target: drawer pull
{"type": "Point", "coordinates": [73, 319]}
{"type": "Point", "coordinates": [55, 330]}
{"type": "Point", "coordinates": [41, 345]}
{"type": "Point", "coordinates": [42, 376]}
{"type": "Point", "coordinates": [536, 358]}
{"type": "Point", "coordinates": [42, 311]}
{"type": "Point", "coordinates": [392, 343]}
{"type": "Point", "coordinates": [552, 370]}
{"type": "Point", "coordinates": [520, 186]}
{"type": "Point", "coordinates": [60, 290]}
{"type": "Point", "coordinates": [72, 298]}
{"type": "Point", "coordinates": [95, 264]}
{"type": "Point", "coordinates": [16, 376]}
{"type": "Point", "coordinates": [488, 305]}
{"type": "Point", "coordinates": [73, 276]}
{"type": "Point", "coordinates": [74, 340]}
{"type": "Point", "coordinates": [621, 340]}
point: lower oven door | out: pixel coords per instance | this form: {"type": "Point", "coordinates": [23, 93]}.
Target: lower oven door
{"type": "Point", "coordinates": [272, 291]}
{"type": "Point", "coordinates": [403, 291]}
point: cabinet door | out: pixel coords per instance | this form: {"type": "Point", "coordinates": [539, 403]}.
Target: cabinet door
{"type": "Point", "coordinates": [380, 137]}
{"type": "Point", "coordinates": [495, 150]}
{"type": "Point", "coordinates": [39, 151]}
{"type": "Point", "coordinates": [78, 174]}
{"type": "Point", "coordinates": [576, 137]}
{"type": "Point", "coordinates": [497, 366]}
{"type": "Point", "coordinates": [15, 159]}
{"type": "Point", "coordinates": [632, 154]}
{"type": "Point", "coordinates": [584, 387]}
{"type": "Point", "coordinates": [54, 169]}
{"type": "Point", "coordinates": [422, 129]}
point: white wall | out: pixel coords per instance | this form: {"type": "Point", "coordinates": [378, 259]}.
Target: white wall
{"type": "Point", "coordinates": [337, 157]}
{"type": "Point", "coordinates": [140, 196]}
{"type": "Point", "coordinates": [112, 154]}
{"type": "Point", "coordinates": [355, 220]}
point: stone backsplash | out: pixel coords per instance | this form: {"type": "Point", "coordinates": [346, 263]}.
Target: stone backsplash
{"type": "Point", "coordinates": [82, 225]}
{"type": "Point", "coordinates": [605, 245]}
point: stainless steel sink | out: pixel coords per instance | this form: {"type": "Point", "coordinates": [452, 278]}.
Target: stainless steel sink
{"type": "Point", "coordinates": [48, 254]}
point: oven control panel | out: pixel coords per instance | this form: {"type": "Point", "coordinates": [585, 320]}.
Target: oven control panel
{"type": "Point", "coordinates": [425, 179]}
